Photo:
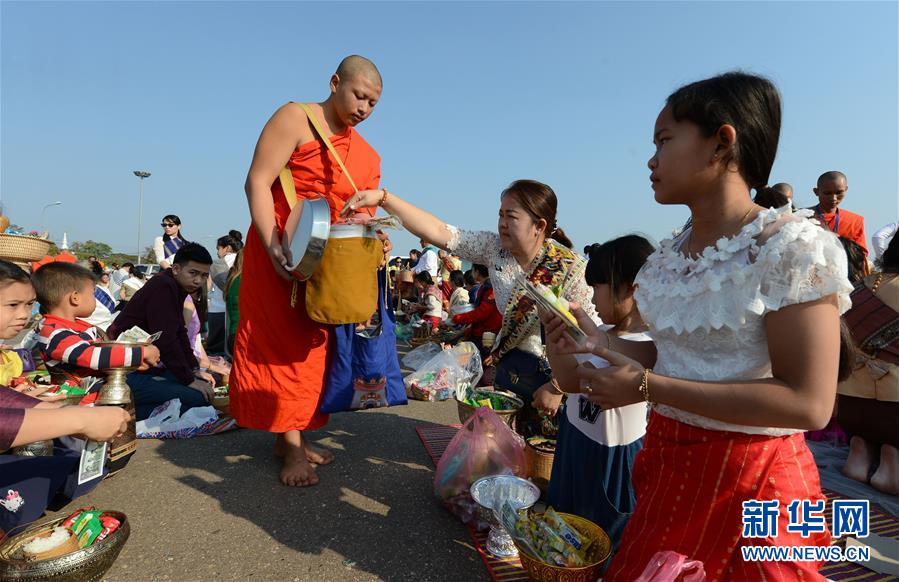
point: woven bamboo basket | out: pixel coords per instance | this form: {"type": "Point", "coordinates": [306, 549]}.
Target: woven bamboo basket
{"type": "Point", "coordinates": [22, 249]}
{"type": "Point", "coordinates": [539, 466]}
{"type": "Point", "coordinates": [597, 553]}
{"type": "Point", "coordinates": [507, 416]}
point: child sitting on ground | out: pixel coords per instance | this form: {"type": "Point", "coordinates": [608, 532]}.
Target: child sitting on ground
{"type": "Point", "coordinates": [66, 292]}
{"type": "Point", "coordinates": [29, 484]}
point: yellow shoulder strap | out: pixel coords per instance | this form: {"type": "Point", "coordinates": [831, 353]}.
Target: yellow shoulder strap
{"type": "Point", "coordinates": [287, 185]}
{"type": "Point", "coordinates": [286, 177]}
{"type": "Point", "coordinates": [321, 134]}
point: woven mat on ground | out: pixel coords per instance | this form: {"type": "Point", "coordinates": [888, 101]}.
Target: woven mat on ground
{"type": "Point", "coordinates": [436, 438]}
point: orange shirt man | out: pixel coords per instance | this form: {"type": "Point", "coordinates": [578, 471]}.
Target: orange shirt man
{"type": "Point", "coordinates": [831, 190]}
{"type": "Point", "coordinates": [280, 354]}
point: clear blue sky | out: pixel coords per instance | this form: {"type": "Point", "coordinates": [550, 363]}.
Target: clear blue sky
{"type": "Point", "coordinates": [475, 95]}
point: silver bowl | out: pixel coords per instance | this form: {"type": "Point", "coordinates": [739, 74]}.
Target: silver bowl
{"type": "Point", "coordinates": [490, 493]}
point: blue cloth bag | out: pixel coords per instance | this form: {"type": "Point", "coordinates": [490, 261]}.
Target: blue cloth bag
{"type": "Point", "coordinates": [365, 368]}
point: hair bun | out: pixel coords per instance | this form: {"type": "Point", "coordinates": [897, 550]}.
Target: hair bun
{"type": "Point", "coordinates": [236, 234]}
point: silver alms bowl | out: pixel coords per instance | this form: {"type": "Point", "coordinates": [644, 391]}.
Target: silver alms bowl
{"type": "Point", "coordinates": [490, 493]}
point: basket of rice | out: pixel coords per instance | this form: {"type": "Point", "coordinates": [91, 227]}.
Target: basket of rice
{"type": "Point", "coordinates": [79, 548]}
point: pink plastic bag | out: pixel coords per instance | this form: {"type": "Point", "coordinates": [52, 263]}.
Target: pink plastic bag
{"type": "Point", "coordinates": [670, 566]}
{"type": "Point", "coordinates": [484, 446]}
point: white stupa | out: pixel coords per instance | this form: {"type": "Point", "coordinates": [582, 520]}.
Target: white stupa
{"type": "Point", "coordinates": [65, 242]}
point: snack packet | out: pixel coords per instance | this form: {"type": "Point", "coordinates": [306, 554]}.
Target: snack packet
{"type": "Point", "coordinates": [70, 521]}
{"type": "Point", "coordinates": [110, 524]}
{"type": "Point", "coordinates": [87, 527]}
{"type": "Point", "coordinates": [568, 533]}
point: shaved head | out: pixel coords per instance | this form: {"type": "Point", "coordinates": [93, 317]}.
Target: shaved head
{"type": "Point", "coordinates": [355, 66]}
{"type": "Point", "coordinates": [784, 189]}
{"type": "Point", "coordinates": [832, 176]}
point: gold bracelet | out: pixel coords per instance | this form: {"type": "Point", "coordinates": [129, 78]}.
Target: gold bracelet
{"type": "Point", "coordinates": [383, 197]}
{"type": "Point", "coordinates": [555, 388]}
{"type": "Point", "coordinates": [644, 384]}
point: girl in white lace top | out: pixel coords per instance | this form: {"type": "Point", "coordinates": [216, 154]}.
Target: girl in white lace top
{"type": "Point", "coordinates": [744, 311]}
{"type": "Point", "coordinates": [529, 245]}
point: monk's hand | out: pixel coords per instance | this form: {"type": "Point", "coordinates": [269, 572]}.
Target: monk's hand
{"type": "Point", "coordinates": [360, 200]}
{"type": "Point", "coordinates": [614, 386]}
{"type": "Point", "coordinates": [280, 258]}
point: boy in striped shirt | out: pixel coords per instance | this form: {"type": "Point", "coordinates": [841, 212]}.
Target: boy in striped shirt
{"type": "Point", "coordinates": [66, 293]}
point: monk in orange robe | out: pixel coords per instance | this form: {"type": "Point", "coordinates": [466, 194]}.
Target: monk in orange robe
{"type": "Point", "coordinates": [831, 190]}
{"type": "Point", "coordinates": [280, 354]}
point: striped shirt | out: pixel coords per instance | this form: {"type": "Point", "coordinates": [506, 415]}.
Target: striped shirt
{"type": "Point", "coordinates": [68, 345]}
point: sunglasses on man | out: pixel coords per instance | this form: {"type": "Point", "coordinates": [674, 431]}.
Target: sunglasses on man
{"type": "Point", "coordinates": [168, 224]}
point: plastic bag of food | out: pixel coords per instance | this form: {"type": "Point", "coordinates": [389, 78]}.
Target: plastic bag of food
{"type": "Point", "coordinates": [483, 446]}
{"type": "Point", "coordinates": [421, 355]}
{"type": "Point", "coordinates": [449, 374]}
{"type": "Point", "coordinates": [668, 566]}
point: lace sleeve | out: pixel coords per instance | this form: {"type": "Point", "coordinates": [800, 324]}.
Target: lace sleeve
{"type": "Point", "coordinates": [800, 263]}
{"type": "Point", "coordinates": [473, 246]}
{"type": "Point", "coordinates": [577, 291]}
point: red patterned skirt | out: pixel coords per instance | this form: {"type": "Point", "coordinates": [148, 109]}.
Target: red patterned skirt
{"type": "Point", "coordinates": [690, 484]}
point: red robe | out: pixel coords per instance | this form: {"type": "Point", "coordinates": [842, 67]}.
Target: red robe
{"type": "Point", "coordinates": [851, 226]}
{"type": "Point", "coordinates": [280, 354]}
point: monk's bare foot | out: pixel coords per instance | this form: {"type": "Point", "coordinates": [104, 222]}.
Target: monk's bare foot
{"type": "Point", "coordinates": [319, 456]}
{"type": "Point", "coordinates": [297, 472]}
{"type": "Point", "coordinates": [886, 478]}
{"type": "Point", "coordinates": [858, 463]}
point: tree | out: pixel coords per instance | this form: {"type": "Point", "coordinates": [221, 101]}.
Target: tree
{"type": "Point", "coordinates": [91, 249]}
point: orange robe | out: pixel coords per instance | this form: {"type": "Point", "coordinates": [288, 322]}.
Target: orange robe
{"type": "Point", "coordinates": [280, 354]}
{"type": "Point", "coordinates": [849, 225]}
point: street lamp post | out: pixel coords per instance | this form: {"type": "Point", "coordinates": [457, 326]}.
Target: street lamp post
{"type": "Point", "coordinates": [57, 203]}
{"type": "Point", "coordinates": [140, 210]}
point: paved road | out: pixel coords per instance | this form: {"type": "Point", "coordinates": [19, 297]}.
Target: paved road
{"type": "Point", "coordinates": [212, 508]}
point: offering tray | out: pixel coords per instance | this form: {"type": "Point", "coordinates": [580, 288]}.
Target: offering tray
{"type": "Point", "coordinates": [86, 564]}
{"type": "Point", "coordinates": [490, 493]}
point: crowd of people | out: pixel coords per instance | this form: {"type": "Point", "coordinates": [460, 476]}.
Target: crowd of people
{"type": "Point", "coordinates": [707, 357]}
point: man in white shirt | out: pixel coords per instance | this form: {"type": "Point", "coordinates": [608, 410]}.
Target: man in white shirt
{"type": "Point", "coordinates": [881, 239]}
{"type": "Point", "coordinates": [429, 261]}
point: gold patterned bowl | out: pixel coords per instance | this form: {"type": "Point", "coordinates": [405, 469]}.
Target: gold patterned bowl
{"type": "Point", "coordinates": [84, 565]}
{"type": "Point", "coordinates": [599, 551]}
